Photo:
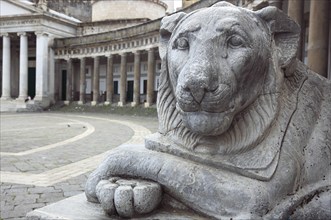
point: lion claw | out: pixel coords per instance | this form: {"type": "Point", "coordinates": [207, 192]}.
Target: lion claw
{"type": "Point", "coordinates": [128, 197]}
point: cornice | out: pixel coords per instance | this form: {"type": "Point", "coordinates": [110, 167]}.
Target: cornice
{"type": "Point", "coordinates": [118, 34]}
{"type": "Point", "coordinates": [153, 1]}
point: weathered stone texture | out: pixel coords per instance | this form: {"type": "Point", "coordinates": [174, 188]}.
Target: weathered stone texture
{"type": "Point", "coordinates": [244, 126]}
{"type": "Point", "coordinates": [80, 9]}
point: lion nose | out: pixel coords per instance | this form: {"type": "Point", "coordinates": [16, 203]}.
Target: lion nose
{"type": "Point", "coordinates": [196, 89]}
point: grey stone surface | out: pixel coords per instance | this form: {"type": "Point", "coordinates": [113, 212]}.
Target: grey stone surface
{"type": "Point", "coordinates": [244, 127]}
{"type": "Point", "coordinates": [21, 194]}
{"type": "Point", "coordinates": [77, 208]}
{"type": "Point", "coordinates": [127, 197]}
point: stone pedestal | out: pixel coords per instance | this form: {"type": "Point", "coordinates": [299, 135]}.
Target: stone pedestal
{"type": "Point", "coordinates": [77, 208]}
{"type": "Point", "coordinates": [147, 104]}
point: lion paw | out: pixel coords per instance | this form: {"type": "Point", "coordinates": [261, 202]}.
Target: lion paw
{"type": "Point", "coordinates": [128, 197]}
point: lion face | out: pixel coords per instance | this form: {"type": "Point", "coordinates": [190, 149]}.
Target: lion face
{"type": "Point", "coordinates": [222, 76]}
{"type": "Point", "coordinates": [216, 66]}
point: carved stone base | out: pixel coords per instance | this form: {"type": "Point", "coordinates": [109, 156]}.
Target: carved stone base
{"type": "Point", "coordinates": [77, 208]}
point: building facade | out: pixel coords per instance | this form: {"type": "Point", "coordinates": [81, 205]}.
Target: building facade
{"type": "Point", "coordinates": [112, 58]}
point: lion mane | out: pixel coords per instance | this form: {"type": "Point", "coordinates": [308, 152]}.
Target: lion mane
{"type": "Point", "coordinates": [259, 117]}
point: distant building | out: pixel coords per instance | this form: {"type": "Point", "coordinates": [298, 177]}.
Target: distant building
{"type": "Point", "coordinates": [187, 3]}
{"type": "Point", "coordinates": [107, 51]}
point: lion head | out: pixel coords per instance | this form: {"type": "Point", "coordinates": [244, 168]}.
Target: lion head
{"type": "Point", "coordinates": [222, 76]}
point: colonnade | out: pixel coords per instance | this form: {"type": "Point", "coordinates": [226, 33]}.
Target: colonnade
{"type": "Point", "coordinates": [95, 79]}
{"type": "Point", "coordinates": [42, 47]}
{"type": "Point", "coordinates": [319, 30]}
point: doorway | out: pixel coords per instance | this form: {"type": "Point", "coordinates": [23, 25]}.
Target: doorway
{"type": "Point", "coordinates": [129, 93]}
{"type": "Point", "coordinates": [64, 85]}
{"type": "Point", "coordinates": [32, 82]}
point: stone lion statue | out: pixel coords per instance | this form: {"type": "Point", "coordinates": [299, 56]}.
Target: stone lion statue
{"type": "Point", "coordinates": [244, 127]}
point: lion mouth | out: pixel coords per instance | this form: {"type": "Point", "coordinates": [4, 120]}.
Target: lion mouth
{"type": "Point", "coordinates": [207, 123]}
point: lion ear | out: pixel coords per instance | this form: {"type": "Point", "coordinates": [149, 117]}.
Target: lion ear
{"type": "Point", "coordinates": [286, 33]}
{"type": "Point", "coordinates": [168, 24]}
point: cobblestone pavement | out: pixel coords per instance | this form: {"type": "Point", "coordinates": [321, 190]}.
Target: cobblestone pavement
{"type": "Point", "coordinates": [46, 157]}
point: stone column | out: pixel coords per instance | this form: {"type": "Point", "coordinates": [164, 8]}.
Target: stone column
{"type": "Point", "coordinates": [57, 77]}
{"type": "Point", "coordinates": [23, 88]}
{"type": "Point", "coordinates": [69, 82]}
{"type": "Point", "coordinates": [123, 80]}
{"type": "Point", "coordinates": [82, 82]}
{"type": "Point", "coordinates": [96, 73]}
{"type": "Point", "coordinates": [110, 80]}
{"type": "Point", "coordinates": [151, 77]}
{"type": "Point", "coordinates": [6, 88]}
{"type": "Point", "coordinates": [42, 68]}
{"type": "Point", "coordinates": [136, 83]}
{"type": "Point", "coordinates": [318, 36]}
{"type": "Point", "coordinates": [295, 11]}
{"type": "Point", "coordinates": [52, 76]}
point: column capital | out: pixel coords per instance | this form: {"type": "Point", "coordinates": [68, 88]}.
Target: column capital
{"type": "Point", "coordinates": [41, 33]}
{"type": "Point", "coordinates": [152, 49]}
{"type": "Point", "coordinates": [137, 52]}
{"type": "Point", "coordinates": [123, 54]}
{"type": "Point", "coordinates": [21, 34]}
{"type": "Point", "coordinates": [68, 59]}
{"type": "Point", "coordinates": [4, 34]}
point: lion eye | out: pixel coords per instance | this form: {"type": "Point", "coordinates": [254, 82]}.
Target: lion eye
{"type": "Point", "coordinates": [182, 43]}
{"type": "Point", "coordinates": [236, 41]}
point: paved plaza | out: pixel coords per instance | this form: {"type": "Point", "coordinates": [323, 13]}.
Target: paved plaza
{"type": "Point", "coordinates": [46, 157]}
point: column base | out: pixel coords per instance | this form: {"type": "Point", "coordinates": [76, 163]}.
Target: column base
{"type": "Point", "coordinates": [22, 99]}
{"type": "Point", "coordinates": [134, 104]}
{"type": "Point", "coordinates": [66, 102]}
{"type": "Point", "coordinates": [6, 98]}
{"type": "Point", "coordinates": [94, 103]}
{"type": "Point", "coordinates": [147, 104]}
{"type": "Point", "coordinates": [121, 104]}
{"type": "Point", "coordinates": [42, 101]}
{"type": "Point", "coordinates": [107, 103]}
{"type": "Point", "coordinates": [80, 103]}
